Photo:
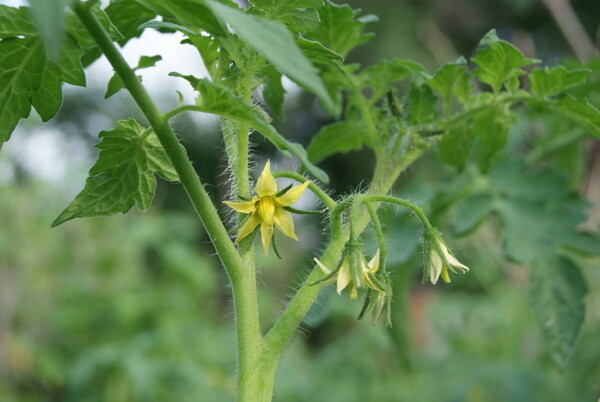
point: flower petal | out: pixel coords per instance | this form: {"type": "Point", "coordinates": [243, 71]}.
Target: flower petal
{"type": "Point", "coordinates": [266, 233]}
{"type": "Point", "coordinates": [343, 277]}
{"type": "Point", "coordinates": [374, 263]}
{"type": "Point", "coordinates": [292, 195]}
{"type": "Point", "coordinates": [248, 227]}
{"type": "Point", "coordinates": [435, 266]}
{"type": "Point", "coordinates": [266, 185]}
{"type": "Point", "coordinates": [266, 209]}
{"type": "Point", "coordinates": [284, 222]}
{"type": "Point", "coordinates": [454, 263]}
{"type": "Point", "coordinates": [245, 207]}
{"type": "Point", "coordinates": [444, 275]}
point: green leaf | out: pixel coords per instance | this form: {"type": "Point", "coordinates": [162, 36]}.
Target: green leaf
{"type": "Point", "coordinates": [556, 292]}
{"type": "Point", "coordinates": [451, 79]}
{"type": "Point", "coordinates": [498, 61]}
{"type": "Point", "coordinates": [490, 128]}
{"type": "Point", "coordinates": [28, 77]}
{"type": "Point", "coordinates": [421, 106]}
{"type": "Point", "coordinates": [273, 41]}
{"type": "Point", "coordinates": [319, 54]}
{"type": "Point", "coordinates": [539, 213]}
{"type": "Point", "coordinates": [301, 21]}
{"type": "Point", "coordinates": [343, 136]}
{"type": "Point", "coordinates": [15, 22]}
{"type": "Point", "coordinates": [339, 30]}
{"type": "Point", "coordinates": [381, 75]}
{"type": "Point", "coordinates": [127, 16]}
{"type": "Point", "coordinates": [455, 147]}
{"type": "Point", "coordinates": [123, 175]}
{"type": "Point", "coordinates": [222, 101]}
{"type": "Point", "coordinates": [552, 81]}
{"type": "Point", "coordinates": [161, 25]}
{"type": "Point", "coordinates": [540, 217]}
{"type": "Point", "coordinates": [147, 61]}
{"type": "Point", "coordinates": [580, 111]}
{"type": "Point", "coordinates": [299, 15]}
{"type": "Point", "coordinates": [470, 212]}
{"type": "Point", "coordinates": [190, 13]}
{"type": "Point", "coordinates": [49, 17]}
{"type": "Point", "coordinates": [115, 84]}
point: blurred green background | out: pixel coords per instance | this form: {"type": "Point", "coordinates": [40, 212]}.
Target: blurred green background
{"type": "Point", "coordinates": [136, 307]}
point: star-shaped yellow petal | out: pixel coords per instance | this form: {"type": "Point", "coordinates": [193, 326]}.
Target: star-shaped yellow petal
{"type": "Point", "coordinates": [266, 209]}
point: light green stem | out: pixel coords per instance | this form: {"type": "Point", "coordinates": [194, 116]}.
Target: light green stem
{"type": "Point", "coordinates": [249, 339]}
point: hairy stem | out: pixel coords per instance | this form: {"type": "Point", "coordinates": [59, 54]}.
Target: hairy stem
{"type": "Point", "coordinates": [249, 339]}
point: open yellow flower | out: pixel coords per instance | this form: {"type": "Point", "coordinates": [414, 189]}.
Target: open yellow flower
{"type": "Point", "coordinates": [344, 277]}
{"type": "Point", "coordinates": [266, 209]}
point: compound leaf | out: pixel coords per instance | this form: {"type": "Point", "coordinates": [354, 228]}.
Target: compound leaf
{"type": "Point", "coordinates": [340, 30]}
{"type": "Point", "coordinates": [123, 175]}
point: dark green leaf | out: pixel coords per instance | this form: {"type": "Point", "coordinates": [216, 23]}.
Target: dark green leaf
{"type": "Point", "coordinates": [343, 136]}
{"type": "Point", "coordinates": [556, 291]}
{"type": "Point", "coordinates": [222, 101]}
{"type": "Point", "coordinates": [273, 41]}
{"type": "Point", "coordinates": [551, 81]}
{"type": "Point", "coordinates": [498, 61]}
{"type": "Point", "coordinates": [123, 175]}
{"type": "Point", "coordinates": [339, 29]}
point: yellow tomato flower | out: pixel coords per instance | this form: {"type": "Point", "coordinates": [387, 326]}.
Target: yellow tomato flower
{"type": "Point", "coordinates": [344, 277]}
{"type": "Point", "coordinates": [266, 209]}
{"type": "Point", "coordinates": [439, 263]}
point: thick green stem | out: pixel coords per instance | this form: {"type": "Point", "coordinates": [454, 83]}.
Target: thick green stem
{"type": "Point", "coordinates": [249, 340]}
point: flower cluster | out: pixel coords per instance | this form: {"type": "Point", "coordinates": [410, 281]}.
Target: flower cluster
{"type": "Point", "coordinates": [353, 274]}
{"type": "Point", "coordinates": [441, 260]}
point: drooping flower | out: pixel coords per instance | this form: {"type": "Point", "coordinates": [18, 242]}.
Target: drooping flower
{"type": "Point", "coordinates": [441, 260]}
{"type": "Point", "coordinates": [344, 277]}
{"type": "Point", "coordinates": [266, 208]}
